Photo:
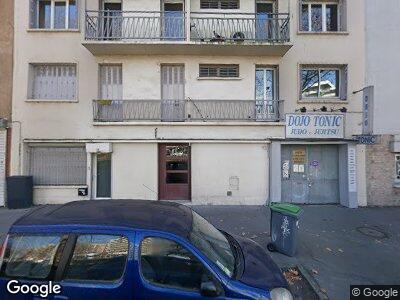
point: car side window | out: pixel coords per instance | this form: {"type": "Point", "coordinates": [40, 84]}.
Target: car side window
{"type": "Point", "coordinates": [98, 258]}
{"type": "Point", "coordinates": [32, 256]}
{"type": "Point", "coordinates": [166, 263]}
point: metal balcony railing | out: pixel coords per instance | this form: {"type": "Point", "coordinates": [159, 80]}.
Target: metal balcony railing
{"type": "Point", "coordinates": [235, 27]}
{"type": "Point", "coordinates": [134, 25]}
{"type": "Point", "coordinates": [187, 110]}
{"type": "Point", "coordinates": [171, 26]}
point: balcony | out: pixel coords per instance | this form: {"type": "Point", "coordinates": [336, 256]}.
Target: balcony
{"type": "Point", "coordinates": [187, 110]}
{"type": "Point", "coordinates": [144, 32]}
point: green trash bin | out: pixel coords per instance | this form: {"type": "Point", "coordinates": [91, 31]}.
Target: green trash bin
{"type": "Point", "coordinates": [284, 227]}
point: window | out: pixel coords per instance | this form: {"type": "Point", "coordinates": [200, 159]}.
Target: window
{"type": "Point", "coordinates": [323, 82]}
{"type": "Point", "coordinates": [53, 14]}
{"type": "Point", "coordinates": [322, 16]}
{"type": "Point", "coordinates": [58, 165]}
{"type": "Point", "coordinates": [98, 258]}
{"type": "Point", "coordinates": [32, 256]}
{"type": "Point", "coordinates": [164, 262]}
{"type": "Point", "coordinates": [52, 82]}
{"type": "Point", "coordinates": [110, 82]}
{"type": "Point", "coordinates": [223, 71]}
{"type": "Point", "coordinates": [219, 4]}
{"type": "Point", "coordinates": [397, 157]}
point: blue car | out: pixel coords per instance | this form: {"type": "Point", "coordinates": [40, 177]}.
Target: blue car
{"type": "Point", "coordinates": [126, 249]}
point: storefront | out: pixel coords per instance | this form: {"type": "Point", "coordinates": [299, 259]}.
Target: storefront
{"type": "Point", "coordinates": [315, 164]}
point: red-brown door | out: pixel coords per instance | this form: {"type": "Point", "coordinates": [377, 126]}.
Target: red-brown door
{"type": "Point", "coordinates": [174, 171]}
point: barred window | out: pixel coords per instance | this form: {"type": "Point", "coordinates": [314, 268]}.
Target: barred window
{"type": "Point", "coordinates": [224, 71]}
{"type": "Point", "coordinates": [52, 81]}
{"type": "Point", "coordinates": [58, 165]}
{"type": "Point", "coordinates": [219, 4]}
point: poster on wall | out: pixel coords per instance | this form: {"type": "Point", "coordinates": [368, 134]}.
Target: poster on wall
{"type": "Point", "coordinates": [315, 126]}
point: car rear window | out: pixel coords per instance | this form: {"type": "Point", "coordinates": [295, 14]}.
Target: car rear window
{"type": "Point", "coordinates": [98, 258]}
{"type": "Point", "coordinates": [31, 256]}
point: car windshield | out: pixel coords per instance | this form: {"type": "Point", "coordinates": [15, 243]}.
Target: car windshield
{"type": "Point", "coordinates": [212, 243]}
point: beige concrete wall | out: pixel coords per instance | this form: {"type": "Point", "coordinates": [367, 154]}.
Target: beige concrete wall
{"type": "Point", "coordinates": [6, 56]}
{"type": "Point", "coordinates": [135, 171]}
{"type": "Point", "coordinates": [381, 174]}
{"type": "Point", "coordinates": [216, 168]}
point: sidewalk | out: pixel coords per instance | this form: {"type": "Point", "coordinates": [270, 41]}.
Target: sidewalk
{"type": "Point", "coordinates": [338, 246]}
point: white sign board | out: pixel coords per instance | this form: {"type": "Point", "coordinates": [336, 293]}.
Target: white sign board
{"type": "Point", "coordinates": [368, 110]}
{"type": "Point", "coordinates": [352, 168]}
{"type": "Point", "coordinates": [315, 126]}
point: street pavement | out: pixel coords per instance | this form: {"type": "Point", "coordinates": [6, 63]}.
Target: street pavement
{"type": "Point", "coordinates": [337, 246]}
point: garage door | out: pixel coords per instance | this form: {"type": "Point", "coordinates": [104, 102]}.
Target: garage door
{"type": "Point", "coordinates": [3, 140]}
{"type": "Point", "coordinates": [310, 174]}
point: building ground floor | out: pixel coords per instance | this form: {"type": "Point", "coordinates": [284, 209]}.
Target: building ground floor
{"type": "Point", "coordinates": [220, 172]}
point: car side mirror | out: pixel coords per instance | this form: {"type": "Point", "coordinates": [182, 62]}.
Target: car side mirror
{"type": "Point", "coordinates": [209, 289]}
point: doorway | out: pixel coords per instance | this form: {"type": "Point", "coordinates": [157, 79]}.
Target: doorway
{"type": "Point", "coordinates": [173, 26]}
{"type": "Point", "coordinates": [101, 176]}
{"type": "Point", "coordinates": [310, 174]}
{"type": "Point", "coordinates": [174, 171]}
{"type": "Point", "coordinates": [112, 19]}
{"type": "Point", "coordinates": [266, 93]}
{"type": "Point", "coordinates": [264, 17]}
{"type": "Point", "coordinates": [173, 93]}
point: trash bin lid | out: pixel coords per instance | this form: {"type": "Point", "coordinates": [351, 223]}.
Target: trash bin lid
{"type": "Point", "coordinates": [286, 208]}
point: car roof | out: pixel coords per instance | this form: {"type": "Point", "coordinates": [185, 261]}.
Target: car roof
{"type": "Point", "coordinates": [138, 214]}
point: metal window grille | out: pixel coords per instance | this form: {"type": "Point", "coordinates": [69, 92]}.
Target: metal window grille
{"type": "Point", "coordinates": [219, 4]}
{"type": "Point", "coordinates": [397, 167]}
{"type": "Point", "coordinates": [58, 165]}
{"type": "Point", "coordinates": [219, 71]}
{"type": "Point", "coordinates": [53, 81]}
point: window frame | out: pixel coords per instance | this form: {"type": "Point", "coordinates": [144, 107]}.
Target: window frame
{"type": "Point", "coordinates": [219, 5]}
{"type": "Point", "coordinates": [218, 70]}
{"type": "Point", "coordinates": [397, 167]}
{"type": "Point", "coordinates": [31, 78]}
{"type": "Point", "coordinates": [171, 239]}
{"type": "Point", "coordinates": [323, 4]}
{"type": "Point", "coordinates": [52, 15]}
{"type": "Point", "coordinates": [340, 68]}
{"type": "Point", "coordinates": [69, 252]}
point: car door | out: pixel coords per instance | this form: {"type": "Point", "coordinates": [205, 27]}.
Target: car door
{"type": "Point", "coordinates": [97, 265]}
{"type": "Point", "coordinates": [167, 270]}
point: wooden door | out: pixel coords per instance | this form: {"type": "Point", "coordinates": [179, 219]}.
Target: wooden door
{"type": "Point", "coordinates": [174, 171]}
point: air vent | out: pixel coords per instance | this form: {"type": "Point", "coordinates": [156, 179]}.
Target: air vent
{"type": "Point", "coordinates": [224, 71]}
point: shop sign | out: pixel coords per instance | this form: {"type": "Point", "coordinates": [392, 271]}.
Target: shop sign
{"type": "Point", "coordinates": [315, 126]}
{"type": "Point", "coordinates": [367, 139]}
{"type": "Point", "coordinates": [299, 156]}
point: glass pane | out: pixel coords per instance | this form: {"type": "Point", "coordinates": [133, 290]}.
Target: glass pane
{"type": "Point", "coordinates": [59, 15]}
{"type": "Point", "coordinates": [331, 17]}
{"type": "Point", "coordinates": [304, 18]}
{"type": "Point", "coordinates": [177, 165]}
{"type": "Point", "coordinates": [269, 89]}
{"type": "Point", "coordinates": [179, 178]}
{"type": "Point", "coordinates": [259, 84]}
{"type": "Point", "coordinates": [316, 17]}
{"type": "Point", "coordinates": [103, 184]}
{"type": "Point", "coordinates": [73, 15]}
{"type": "Point", "coordinates": [44, 14]}
{"type": "Point", "coordinates": [173, 21]}
{"type": "Point", "coordinates": [212, 243]}
{"type": "Point", "coordinates": [30, 257]}
{"type": "Point", "coordinates": [98, 257]}
{"type": "Point", "coordinates": [309, 83]}
{"type": "Point", "coordinates": [175, 152]}
{"type": "Point", "coordinates": [329, 86]}
{"type": "Point", "coordinates": [164, 262]}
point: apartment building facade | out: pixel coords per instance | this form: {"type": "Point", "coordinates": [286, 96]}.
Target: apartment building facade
{"type": "Point", "coordinates": [216, 102]}
{"type": "Point", "coordinates": [382, 63]}
{"type": "Point", "coordinates": [6, 81]}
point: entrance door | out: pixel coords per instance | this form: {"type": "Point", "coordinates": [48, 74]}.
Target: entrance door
{"type": "Point", "coordinates": [310, 174]}
{"type": "Point", "coordinates": [101, 174]}
{"type": "Point", "coordinates": [264, 24]}
{"type": "Point", "coordinates": [174, 171]}
{"type": "Point", "coordinates": [173, 93]}
{"type": "Point", "coordinates": [173, 26]}
{"type": "Point", "coordinates": [266, 91]}
{"type": "Point", "coordinates": [112, 20]}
